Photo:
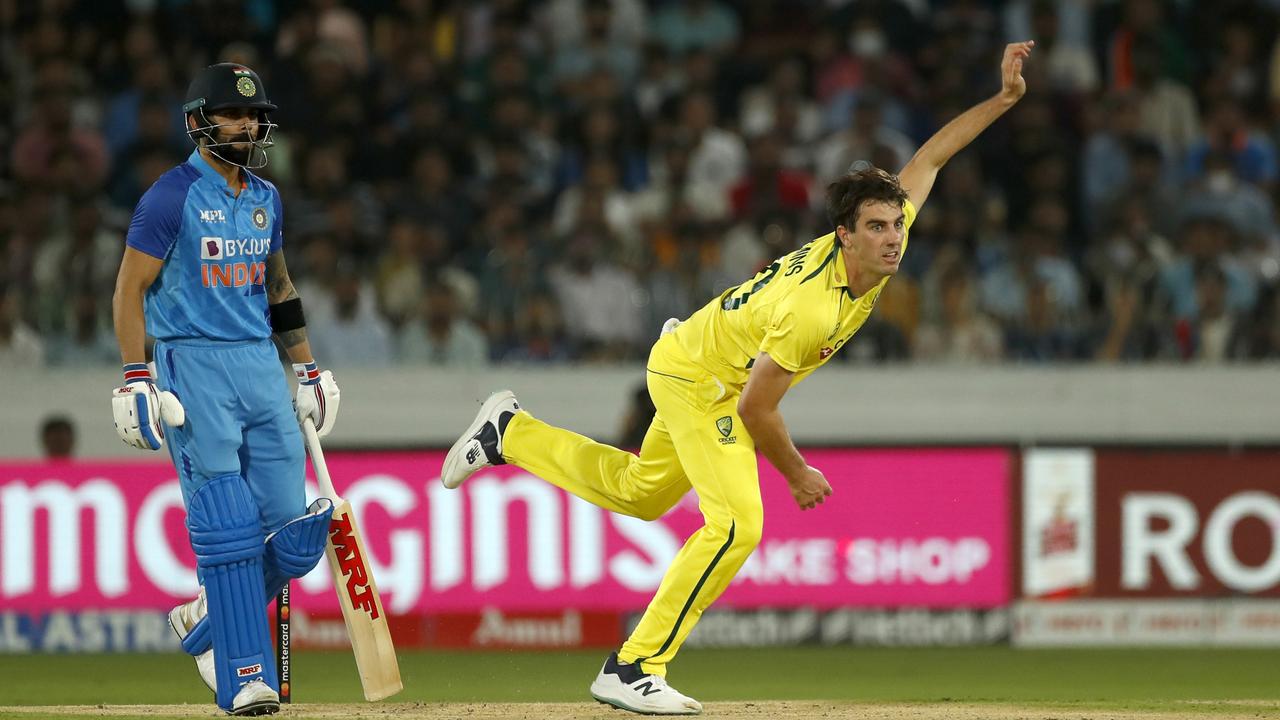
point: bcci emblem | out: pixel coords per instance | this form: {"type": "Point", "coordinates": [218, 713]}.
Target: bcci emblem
{"type": "Point", "coordinates": [246, 87]}
{"type": "Point", "coordinates": [725, 426]}
{"type": "Point", "coordinates": [260, 218]}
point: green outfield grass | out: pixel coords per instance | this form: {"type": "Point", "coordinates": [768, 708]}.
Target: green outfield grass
{"type": "Point", "coordinates": [1132, 679]}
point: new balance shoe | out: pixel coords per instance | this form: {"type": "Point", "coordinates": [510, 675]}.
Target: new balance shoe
{"type": "Point", "coordinates": [256, 698]}
{"type": "Point", "coordinates": [184, 617]}
{"type": "Point", "coordinates": [481, 445]}
{"type": "Point", "coordinates": [624, 685]}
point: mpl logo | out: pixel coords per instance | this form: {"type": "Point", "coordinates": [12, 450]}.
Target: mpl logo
{"type": "Point", "coordinates": [212, 216]}
{"type": "Point", "coordinates": [211, 248]}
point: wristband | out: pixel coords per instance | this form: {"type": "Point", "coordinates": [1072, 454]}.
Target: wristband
{"type": "Point", "coordinates": [136, 372]}
{"type": "Point", "coordinates": [307, 373]}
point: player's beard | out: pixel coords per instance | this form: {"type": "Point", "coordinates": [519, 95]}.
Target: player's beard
{"type": "Point", "coordinates": [241, 152]}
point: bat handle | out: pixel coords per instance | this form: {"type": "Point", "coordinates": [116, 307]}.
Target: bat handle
{"type": "Point", "coordinates": [317, 461]}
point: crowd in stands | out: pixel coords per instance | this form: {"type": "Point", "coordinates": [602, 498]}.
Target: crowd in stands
{"type": "Point", "coordinates": [543, 182]}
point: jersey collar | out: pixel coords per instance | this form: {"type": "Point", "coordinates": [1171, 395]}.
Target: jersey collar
{"type": "Point", "coordinates": [198, 162]}
{"type": "Point", "coordinates": [839, 275]}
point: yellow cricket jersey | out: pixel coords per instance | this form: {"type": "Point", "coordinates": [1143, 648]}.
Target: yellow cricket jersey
{"type": "Point", "coordinates": [799, 309]}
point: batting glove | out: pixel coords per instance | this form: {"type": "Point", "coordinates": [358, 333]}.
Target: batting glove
{"type": "Point", "coordinates": [141, 411]}
{"type": "Point", "coordinates": [317, 397]}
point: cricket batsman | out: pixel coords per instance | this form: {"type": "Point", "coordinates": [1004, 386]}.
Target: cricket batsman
{"type": "Point", "coordinates": [204, 274]}
{"type": "Point", "coordinates": [717, 379]}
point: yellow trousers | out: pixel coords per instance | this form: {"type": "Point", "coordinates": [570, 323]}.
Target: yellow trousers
{"type": "Point", "coordinates": [696, 440]}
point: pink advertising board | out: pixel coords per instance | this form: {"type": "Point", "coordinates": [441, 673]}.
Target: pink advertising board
{"type": "Point", "coordinates": [905, 527]}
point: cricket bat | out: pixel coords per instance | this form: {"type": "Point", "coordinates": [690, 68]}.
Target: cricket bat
{"type": "Point", "coordinates": [357, 592]}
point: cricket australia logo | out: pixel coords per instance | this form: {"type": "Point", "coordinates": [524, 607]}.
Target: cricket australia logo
{"type": "Point", "coordinates": [725, 426]}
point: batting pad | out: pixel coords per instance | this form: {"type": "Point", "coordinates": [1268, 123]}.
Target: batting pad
{"type": "Point", "coordinates": [291, 552]}
{"type": "Point", "coordinates": [222, 519]}
{"type": "Point", "coordinates": [294, 550]}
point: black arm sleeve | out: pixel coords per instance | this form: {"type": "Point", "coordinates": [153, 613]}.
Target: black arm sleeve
{"type": "Point", "coordinates": [287, 315]}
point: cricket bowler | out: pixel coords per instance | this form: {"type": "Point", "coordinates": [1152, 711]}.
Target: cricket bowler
{"type": "Point", "coordinates": [204, 274]}
{"type": "Point", "coordinates": [717, 379]}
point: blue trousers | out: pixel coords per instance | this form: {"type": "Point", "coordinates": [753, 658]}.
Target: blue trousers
{"type": "Point", "coordinates": [240, 420]}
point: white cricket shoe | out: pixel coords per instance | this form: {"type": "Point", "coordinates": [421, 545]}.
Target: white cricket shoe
{"type": "Point", "coordinates": [481, 445]}
{"type": "Point", "coordinates": [256, 698]}
{"type": "Point", "coordinates": [624, 685]}
{"type": "Point", "coordinates": [184, 617]}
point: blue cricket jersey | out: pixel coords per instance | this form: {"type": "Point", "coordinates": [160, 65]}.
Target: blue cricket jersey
{"type": "Point", "coordinates": [214, 246]}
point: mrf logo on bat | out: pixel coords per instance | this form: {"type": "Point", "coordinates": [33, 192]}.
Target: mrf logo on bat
{"type": "Point", "coordinates": [353, 565]}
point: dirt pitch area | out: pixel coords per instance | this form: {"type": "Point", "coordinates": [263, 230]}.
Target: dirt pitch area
{"type": "Point", "coordinates": [790, 710]}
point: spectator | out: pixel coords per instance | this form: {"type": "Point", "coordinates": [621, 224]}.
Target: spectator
{"type": "Point", "coordinates": [600, 300]}
{"type": "Point", "coordinates": [600, 189]}
{"type": "Point", "coordinates": [717, 157]}
{"type": "Point", "coordinates": [348, 330]}
{"type": "Point", "coordinates": [20, 347]}
{"type": "Point", "coordinates": [399, 280]}
{"type": "Point", "coordinates": [1204, 243]}
{"type": "Point", "coordinates": [680, 136]}
{"type": "Point", "coordinates": [87, 342]}
{"type": "Point", "coordinates": [1168, 109]}
{"type": "Point", "coordinates": [1259, 336]}
{"type": "Point", "coordinates": [79, 259]}
{"type": "Point", "coordinates": [442, 335]}
{"type": "Point", "coordinates": [566, 21]}
{"type": "Point", "coordinates": [1209, 336]}
{"type": "Point", "coordinates": [1221, 194]}
{"type": "Point", "coordinates": [51, 135]}
{"type": "Point", "coordinates": [434, 195]}
{"type": "Point", "coordinates": [57, 438]}
{"type": "Point", "coordinates": [597, 49]}
{"type": "Point", "coordinates": [1105, 166]}
{"type": "Point", "coordinates": [784, 94]}
{"type": "Point", "coordinates": [152, 84]}
{"type": "Point", "coordinates": [1040, 335]}
{"type": "Point", "coordinates": [961, 334]}
{"type": "Point", "coordinates": [1227, 133]}
{"type": "Point", "coordinates": [695, 25]}
{"type": "Point", "coordinates": [768, 187]}
{"type": "Point", "coordinates": [539, 334]}
{"type": "Point", "coordinates": [867, 138]}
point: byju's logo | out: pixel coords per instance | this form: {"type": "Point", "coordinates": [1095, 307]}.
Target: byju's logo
{"type": "Point", "coordinates": [725, 426]}
{"type": "Point", "coordinates": [210, 248]}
